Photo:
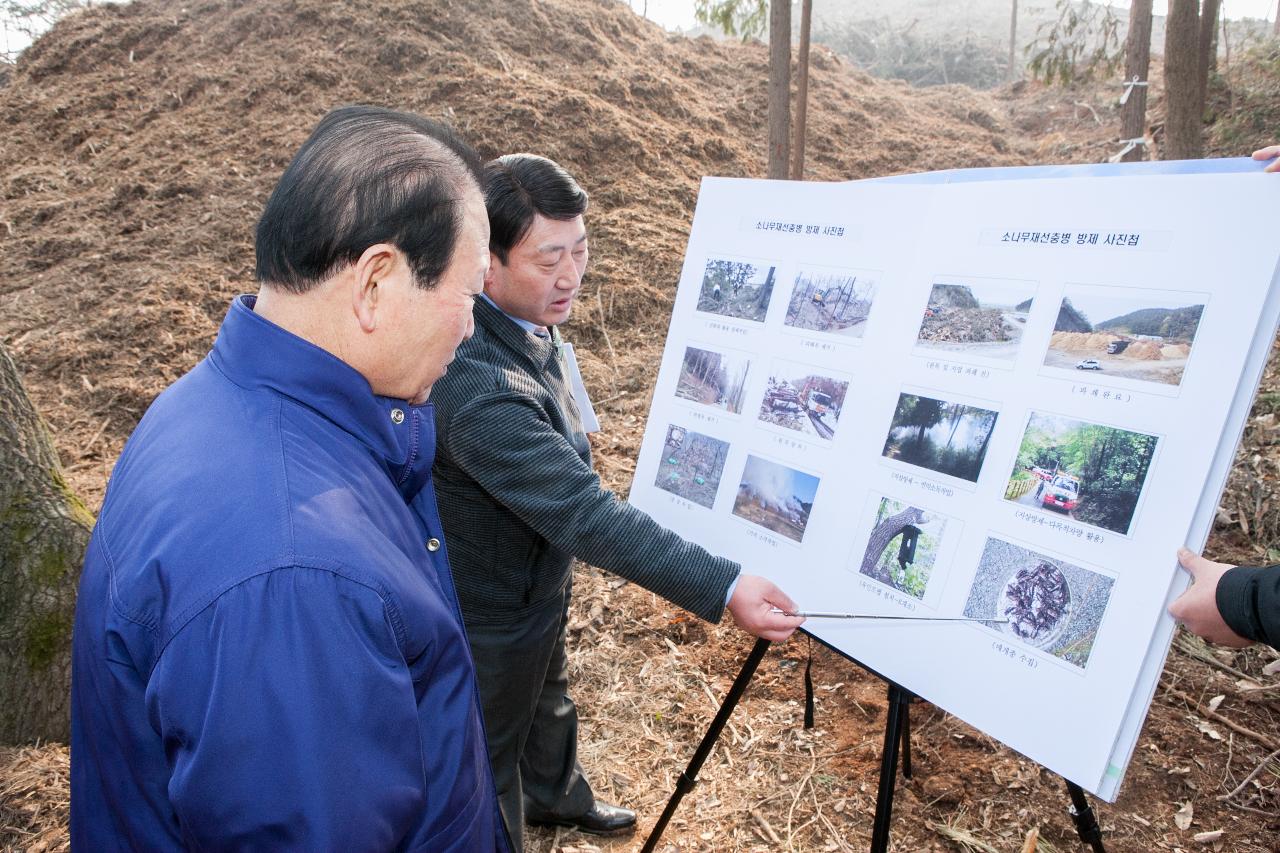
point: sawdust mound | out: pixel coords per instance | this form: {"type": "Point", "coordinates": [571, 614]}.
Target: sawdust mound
{"type": "Point", "coordinates": [1092, 342]}
{"type": "Point", "coordinates": [1143, 351]}
{"type": "Point", "coordinates": [1097, 342]}
{"type": "Point", "coordinates": [143, 140]}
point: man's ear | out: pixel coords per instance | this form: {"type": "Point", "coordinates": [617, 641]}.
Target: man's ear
{"type": "Point", "coordinates": [373, 266]}
{"type": "Point", "coordinates": [490, 275]}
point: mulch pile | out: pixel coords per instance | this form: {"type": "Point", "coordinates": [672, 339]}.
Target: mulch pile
{"type": "Point", "coordinates": [141, 142]}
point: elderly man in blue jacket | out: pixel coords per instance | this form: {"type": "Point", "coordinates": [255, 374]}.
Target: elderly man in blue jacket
{"type": "Point", "coordinates": [268, 652]}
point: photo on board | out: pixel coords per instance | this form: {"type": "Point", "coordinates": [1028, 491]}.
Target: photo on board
{"type": "Point", "coordinates": [1051, 605]}
{"type": "Point", "coordinates": [775, 497]}
{"type": "Point", "coordinates": [834, 301]}
{"type": "Point", "coordinates": [976, 317]}
{"type": "Point", "coordinates": [950, 438]}
{"type": "Point", "coordinates": [740, 289]}
{"type": "Point", "coordinates": [691, 465]}
{"type": "Point", "coordinates": [904, 546]}
{"type": "Point", "coordinates": [714, 379]}
{"type": "Point", "coordinates": [1091, 473]}
{"type": "Point", "coordinates": [800, 398]}
{"type": "Point", "coordinates": [1126, 333]}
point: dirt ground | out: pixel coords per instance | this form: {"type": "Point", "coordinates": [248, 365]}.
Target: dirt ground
{"type": "Point", "coordinates": [140, 143]}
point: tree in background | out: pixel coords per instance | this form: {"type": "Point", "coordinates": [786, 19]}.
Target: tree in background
{"type": "Point", "coordinates": [923, 413]}
{"type": "Point", "coordinates": [779, 88]}
{"type": "Point", "coordinates": [742, 18]}
{"type": "Point", "coordinates": [1184, 103]}
{"type": "Point", "coordinates": [802, 93]}
{"type": "Point", "coordinates": [730, 275]}
{"type": "Point", "coordinates": [30, 18]}
{"type": "Point", "coordinates": [766, 290]}
{"type": "Point", "coordinates": [44, 530]}
{"type": "Point", "coordinates": [1207, 49]}
{"type": "Point", "coordinates": [1081, 44]}
{"type": "Point", "coordinates": [1013, 41]}
{"type": "Point", "coordinates": [1137, 64]}
{"type": "Point", "coordinates": [746, 19]}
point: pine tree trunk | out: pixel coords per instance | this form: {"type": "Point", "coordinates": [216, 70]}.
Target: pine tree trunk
{"type": "Point", "coordinates": [1100, 459]}
{"type": "Point", "coordinates": [779, 88]}
{"type": "Point", "coordinates": [1013, 72]}
{"type": "Point", "coordinates": [986, 440]}
{"type": "Point", "coordinates": [1137, 64]}
{"type": "Point", "coordinates": [766, 291]}
{"type": "Point", "coordinates": [955, 425]}
{"type": "Point", "coordinates": [1226, 46]}
{"type": "Point", "coordinates": [1185, 111]}
{"type": "Point", "coordinates": [44, 529]}
{"type": "Point", "coordinates": [884, 533]}
{"type": "Point", "coordinates": [1205, 50]}
{"type": "Point", "coordinates": [1219, 30]}
{"type": "Point", "coordinates": [802, 93]}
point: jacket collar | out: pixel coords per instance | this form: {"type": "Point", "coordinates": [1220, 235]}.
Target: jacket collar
{"type": "Point", "coordinates": [257, 354]}
{"type": "Point", "coordinates": [539, 352]}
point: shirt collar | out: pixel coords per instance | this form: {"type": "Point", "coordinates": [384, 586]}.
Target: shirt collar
{"type": "Point", "coordinates": [257, 354]}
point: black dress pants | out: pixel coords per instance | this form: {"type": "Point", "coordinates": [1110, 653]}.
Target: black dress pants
{"type": "Point", "coordinates": [530, 721]}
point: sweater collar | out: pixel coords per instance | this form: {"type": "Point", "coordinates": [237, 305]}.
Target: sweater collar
{"type": "Point", "coordinates": [257, 354]}
{"type": "Point", "coordinates": [531, 328]}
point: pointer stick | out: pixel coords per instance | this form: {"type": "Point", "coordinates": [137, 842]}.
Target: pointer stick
{"type": "Point", "coordinates": [814, 614]}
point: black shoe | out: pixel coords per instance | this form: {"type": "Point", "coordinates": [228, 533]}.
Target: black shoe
{"type": "Point", "coordinates": [601, 819]}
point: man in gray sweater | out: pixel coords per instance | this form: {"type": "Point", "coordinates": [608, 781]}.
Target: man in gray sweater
{"type": "Point", "coordinates": [519, 501]}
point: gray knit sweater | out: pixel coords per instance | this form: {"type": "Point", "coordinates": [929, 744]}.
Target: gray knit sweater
{"type": "Point", "coordinates": [518, 498]}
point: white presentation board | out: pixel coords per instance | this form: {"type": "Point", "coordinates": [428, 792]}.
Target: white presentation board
{"type": "Point", "coordinates": [1007, 398]}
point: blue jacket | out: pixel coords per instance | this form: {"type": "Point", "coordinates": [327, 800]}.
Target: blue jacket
{"type": "Point", "coordinates": [268, 653]}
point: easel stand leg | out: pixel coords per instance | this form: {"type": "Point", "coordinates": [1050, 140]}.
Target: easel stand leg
{"type": "Point", "coordinates": [895, 736]}
{"type": "Point", "coordinates": [906, 734]}
{"type": "Point", "coordinates": [1082, 813]}
{"type": "Point", "coordinates": [689, 777]}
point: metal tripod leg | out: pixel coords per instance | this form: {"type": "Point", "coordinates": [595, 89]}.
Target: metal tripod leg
{"type": "Point", "coordinates": [1082, 813]}
{"type": "Point", "coordinates": [895, 735]}
{"type": "Point", "coordinates": [906, 735]}
{"type": "Point", "coordinates": [689, 777]}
